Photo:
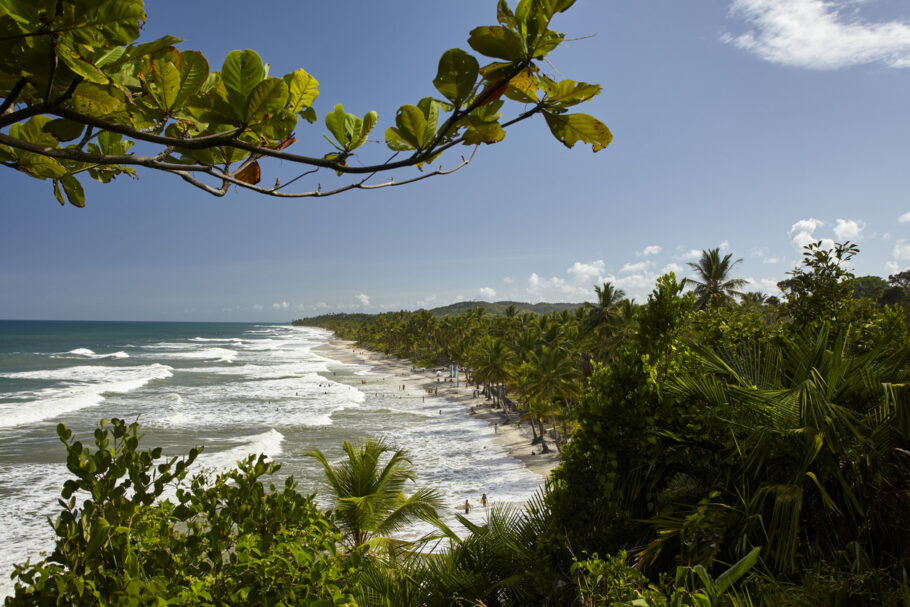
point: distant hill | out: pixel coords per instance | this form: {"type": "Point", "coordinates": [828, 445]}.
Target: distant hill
{"type": "Point", "coordinates": [454, 309]}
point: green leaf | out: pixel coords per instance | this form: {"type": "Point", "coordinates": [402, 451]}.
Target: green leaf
{"type": "Point", "coordinates": [395, 141]}
{"type": "Point", "coordinates": [40, 166]}
{"type": "Point", "coordinates": [551, 7]}
{"type": "Point", "coordinates": [340, 125]}
{"type": "Point", "coordinates": [303, 90]}
{"type": "Point", "coordinates": [74, 192]}
{"type": "Point", "coordinates": [481, 131]}
{"type": "Point", "coordinates": [98, 534]}
{"type": "Point", "coordinates": [309, 115]}
{"type": "Point", "coordinates": [80, 66]}
{"type": "Point", "coordinates": [456, 75]}
{"type": "Point", "coordinates": [572, 128]}
{"type": "Point", "coordinates": [93, 100]}
{"type": "Point", "coordinates": [57, 193]}
{"type": "Point", "coordinates": [241, 72]}
{"type": "Point", "coordinates": [430, 110]}
{"type": "Point", "coordinates": [411, 125]}
{"type": "Point", "coordinates": [112, 56]}
{"type": "Point", "coordinates": [497, 41]}
{"type": "Point", "coordinates": [63, 129]}
{"type": "Point", "coordinates": [567, 93]}
{"type": "Point", "coordinates": [369, 123]}
{"type": "Point", "coordinates": [194, 72]}
{"type": "Point", "coordinates": [505, 15]}
{"type": "Point", "coordinates": [737, 570]}
{"type": "Point", "coordinates": [269, 96]}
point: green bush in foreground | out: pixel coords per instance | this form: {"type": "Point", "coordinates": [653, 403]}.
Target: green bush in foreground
{"type": "Point", "coordinates": [224, 541]}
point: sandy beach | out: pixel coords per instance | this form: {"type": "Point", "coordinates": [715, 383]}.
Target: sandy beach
{"type": "Point", "coordinates": [515, 437]}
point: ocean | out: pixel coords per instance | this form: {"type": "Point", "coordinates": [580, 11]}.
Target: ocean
{"type": "Point", "coordinates": [234, 389]}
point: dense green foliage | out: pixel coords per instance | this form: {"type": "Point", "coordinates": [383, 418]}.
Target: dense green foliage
{"type": "Point", "coordinates": [226, 540]}
{"type": "Point", "coordinates": [79, 91]}
{"type": "Point", "coordinates": [735, 453]}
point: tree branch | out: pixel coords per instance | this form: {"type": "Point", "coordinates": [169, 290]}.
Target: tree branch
{"type": "Point", "coordinates": [13, 95]}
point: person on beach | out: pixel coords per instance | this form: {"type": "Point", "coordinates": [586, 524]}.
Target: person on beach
{"type": "Point", "coordinates": [483, 500]}
{"type": "Point", "coordinates": [467, 507]}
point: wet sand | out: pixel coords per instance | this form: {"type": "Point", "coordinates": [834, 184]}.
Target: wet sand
{"type": "Point", "coordinates": [515, 436]}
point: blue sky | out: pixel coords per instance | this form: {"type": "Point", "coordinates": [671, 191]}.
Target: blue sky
{"type": "Point", "coordinates": [750, 125]}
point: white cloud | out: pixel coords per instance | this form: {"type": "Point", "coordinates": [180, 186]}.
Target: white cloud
{"type": "Point", "coordinates": [803, 232]}
{"type": "Point", "coordinates": [849, 229]}
{"type": "Point", "coordinates": [508, 280]}
{"type": "Point", "coordinates": [891, 267]}
{"type": "Point", "coordinates": [587, 272]}
{"type": "Point", "coordinates": [533, 280]}
{"type": "Point", "coordinates": [818, 34]}
{"type": "Point", "coordinates": [904, 218]}
{"type": "Point", "coordinates": [363, 299]}
{"type": "Point", "coordinates": [725, 245]}
{"type": "Point", "coordinates": [280, 306]}
{"type": "Point", "coordinates": [258, 306]}
{"type": "Point", "coordinates": [671, 267]}
{"type": "Point", "coordinates": [487, 292]}
{"type": "Point", "coordinates": [691, 254]}
{"type": "Point", "coordinates": [902, 249]}
{"type": "Point", "coordinates": [459, 298]}
{"type": "Point", "coordinates": [636, 267]}
{"type": "Point", "coordinates": [650, 250]}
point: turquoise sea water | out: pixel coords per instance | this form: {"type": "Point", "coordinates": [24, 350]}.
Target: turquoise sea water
{"type": "Point", "coordinates": [232, 388]}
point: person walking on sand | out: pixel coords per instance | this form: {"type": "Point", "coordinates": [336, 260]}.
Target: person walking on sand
{"type": "Point", "coordinates": [467, 507]}
{"type": "Point", "coordinates": [483, 500]}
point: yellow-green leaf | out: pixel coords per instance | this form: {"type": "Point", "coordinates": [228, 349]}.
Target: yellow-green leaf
{"type": "Point", "coordinates": [572, 128]}
{"type": "Point", "coordinates": [93, 100]}
{"type": "Point", "coordinates": [481, 131]}
{"type": "Point", "coordinates": [303, 90]}
{"type": "Point", "coordinates": [396, 142]}
{"type": "Point", "coordinates": [40, 166]}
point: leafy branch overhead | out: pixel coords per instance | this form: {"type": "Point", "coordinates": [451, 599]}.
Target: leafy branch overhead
{"type": "Point", "coordinates": [81, 96]}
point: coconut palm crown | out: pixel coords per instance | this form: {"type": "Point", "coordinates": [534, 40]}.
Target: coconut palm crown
{"type": "Point", "coordinates": [369, 497]}
{"type": "Point", "coordinates": [713, 285]}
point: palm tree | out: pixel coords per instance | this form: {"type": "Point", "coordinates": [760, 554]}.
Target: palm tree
{"type": "Point", "coordinates": [493, 363]}
{"type": "Point", "coordinates": [823, 443]}
{"type": "Point", "coordinates": [551, 375]}
{"type": "Point", "coordinates": [713, 285]}
{"type": "Point", "coordinates": [369, 497]}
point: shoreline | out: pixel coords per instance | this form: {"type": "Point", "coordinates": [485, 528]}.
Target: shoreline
{"type": "Point", "coordinates": [514, 436]}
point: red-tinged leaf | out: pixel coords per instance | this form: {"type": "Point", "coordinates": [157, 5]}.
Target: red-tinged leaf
{"type": "Point", "coordinates": [249, 174]}
{"type": "Point", "coordinates": [290, 140]}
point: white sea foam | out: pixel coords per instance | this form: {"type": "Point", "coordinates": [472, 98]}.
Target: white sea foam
{"type": "Point", "coordinates": [216, 354]}
{"type": "Point", "coordinates": [268, 443]}
{"type": "Point", "coordinates": [28, 495]}
{"type": "Point", "coordinates": [82, 386]}
{"type": "Point", "coordinates": [308, 400]}
{"type": "Point", "coordinates": [87, 353]}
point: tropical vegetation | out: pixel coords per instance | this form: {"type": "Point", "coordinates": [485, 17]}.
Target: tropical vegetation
{"type": "Point", "coordinates": [750, 452]}
{"type": "Point", "coordinates": [79, 91]}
